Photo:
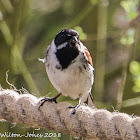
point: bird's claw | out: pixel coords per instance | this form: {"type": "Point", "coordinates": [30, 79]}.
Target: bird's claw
{"type": "Point", "coordinates": [47, 99]}
{"type": "Point", "coordinates": [74, 108]}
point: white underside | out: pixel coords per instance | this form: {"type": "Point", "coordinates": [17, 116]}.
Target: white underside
{"type": "Point", "coordinates": [75, 81]}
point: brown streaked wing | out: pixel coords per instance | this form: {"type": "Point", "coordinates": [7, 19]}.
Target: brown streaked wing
{"type": "Point", "coordinates": [89, 57]}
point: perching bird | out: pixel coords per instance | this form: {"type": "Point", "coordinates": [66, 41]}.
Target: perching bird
{"type": "Point", "coordinates": [69, 67]}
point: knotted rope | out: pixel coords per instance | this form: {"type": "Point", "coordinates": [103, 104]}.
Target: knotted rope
{"type": "Point", "coordinates": [86, 122]}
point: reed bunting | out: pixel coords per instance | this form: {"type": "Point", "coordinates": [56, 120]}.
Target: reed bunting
{"type": "Point", "coordinates": [69, 67]}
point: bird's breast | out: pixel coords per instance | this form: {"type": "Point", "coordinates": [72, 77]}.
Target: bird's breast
{"type": "Point", "coordinates": [73, 81]}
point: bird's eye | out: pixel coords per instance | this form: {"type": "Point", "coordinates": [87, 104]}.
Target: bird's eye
{"type": "Point", "coordinates": [63, 37]}
{"type": "Point", "coordinates": [60, 39]}
{"type": "Point", "coordinates": [68, 37]}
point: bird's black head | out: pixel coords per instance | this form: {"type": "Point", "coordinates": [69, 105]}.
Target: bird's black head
{"type": "Point", "coordinates": [66, 35]}
{"type": "Point", "coordinates": [68, 52]}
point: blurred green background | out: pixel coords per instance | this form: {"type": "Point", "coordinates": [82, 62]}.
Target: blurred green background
{"type": "Point", "coordinates": [110, 29]}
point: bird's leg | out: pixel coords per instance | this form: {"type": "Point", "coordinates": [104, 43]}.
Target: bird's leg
{"type": "Point", "coordinates": [48, 99]}
{"type": "Point", "coordinates": [75, 107]}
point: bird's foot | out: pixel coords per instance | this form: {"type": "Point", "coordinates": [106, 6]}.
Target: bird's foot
{"type": "Point", "coordinates": [49, 99]}
{"type": "Point", "coordinates": [74, 108]}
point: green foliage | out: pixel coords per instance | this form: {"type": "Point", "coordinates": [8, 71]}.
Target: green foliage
{"type": "Point", "coordinates": [134, 67]}
{"type": "Point", "coordinates": [130, 7]}
{"type": "Point", "coordinates": [128, 39]}
{"type": "Point", "coordinates": [94, 2]}
{"type": "Point", "coordinates": [135, 71]}
{"type": "Point", "coordinates": [83, 35]}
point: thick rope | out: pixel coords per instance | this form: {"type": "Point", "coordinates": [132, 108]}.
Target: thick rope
{"type": "Point", "coordinates": [86, 122]}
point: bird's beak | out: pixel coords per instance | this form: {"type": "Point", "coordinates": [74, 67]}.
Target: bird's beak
{"type": "Point", "coordinates": [74, 39]}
